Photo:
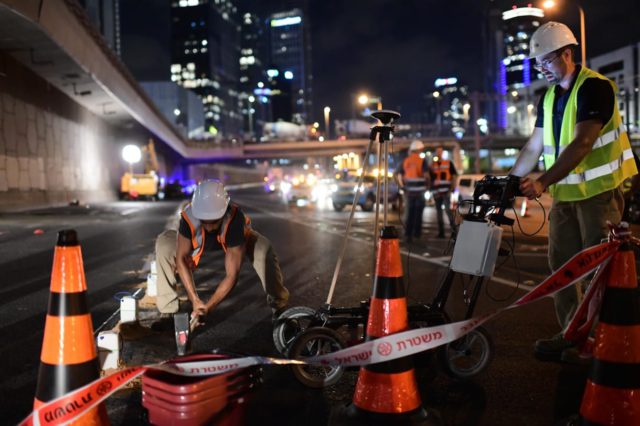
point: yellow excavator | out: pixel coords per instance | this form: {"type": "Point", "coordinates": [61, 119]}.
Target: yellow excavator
{"type": "Point", "coordinates": [136, 186]}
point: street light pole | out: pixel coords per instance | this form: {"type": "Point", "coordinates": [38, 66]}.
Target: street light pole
{"type": "Point", "coordinates": [476, 131]}
{"type": "Point", "coordinates": [250, 100]}
{"type": "Point", "coordinates": [583, 37]}
{"type": "Point", "coordinates": [327, 128]}
{"type": "Point", "coordinates": [549, 4]}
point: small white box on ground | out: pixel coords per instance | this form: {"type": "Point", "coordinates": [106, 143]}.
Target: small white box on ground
{"type": "Point", "coordinates": [152, 289]}
{"type": "Point", "coordinates": [109, 345]}
{"type": "Point", "coordinates": [476, 248]}
{"type": "Point", "coordinates": [152, 267]}
{"type": "Point", "coordinates": [128, 309]}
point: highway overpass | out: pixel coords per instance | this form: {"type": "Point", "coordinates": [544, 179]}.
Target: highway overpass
{"type": "Point", "coordinates": [68, 106]}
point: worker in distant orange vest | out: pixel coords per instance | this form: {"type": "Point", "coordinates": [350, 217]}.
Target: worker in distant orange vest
{"type": "Point", "coordinates": [443, 179]}
{"type": "Point", "coordinates": [413, 178]}
{"type": "Point", "coordinates": [211, 223]}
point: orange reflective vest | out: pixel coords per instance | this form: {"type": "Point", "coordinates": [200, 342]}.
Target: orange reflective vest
{"type": "Point", "coordinates": [198, 234]}
{"type": "Point", "coordinates": [413, 175]}
{"type": "Point", "coordinates": [441, 172]}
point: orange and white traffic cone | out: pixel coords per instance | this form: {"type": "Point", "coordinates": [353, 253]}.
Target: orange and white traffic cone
{"type": "Point", "coordinates": [612, 393]}
{"type": "Point", "coordinates": [69, 359]}
{"type": "Point", "coordinates": [387, 391]}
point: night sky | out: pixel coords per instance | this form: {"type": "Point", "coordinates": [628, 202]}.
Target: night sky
{"type": "Point", "coordinates": [397, 48]}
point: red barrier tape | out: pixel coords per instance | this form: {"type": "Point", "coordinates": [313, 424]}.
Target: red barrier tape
{"type": "Point", "coordinates": [68, 407]}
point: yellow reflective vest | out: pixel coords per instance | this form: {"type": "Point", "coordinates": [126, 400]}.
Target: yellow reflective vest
{"type": "Point", "coordinates": [610, 161]}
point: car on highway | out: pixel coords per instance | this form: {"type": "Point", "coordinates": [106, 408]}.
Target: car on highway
{"type": "Point", "coordinates": [344, 190]}
{"type": "Point", "coordinates": [465, 185]}
{"type": "Point", "coordinates": [303, 189]}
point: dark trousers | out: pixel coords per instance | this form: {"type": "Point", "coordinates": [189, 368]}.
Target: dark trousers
{"type": "Point", "coordinates": [413, 207]}
{"type": "Point", "coordinates": [442, 205]}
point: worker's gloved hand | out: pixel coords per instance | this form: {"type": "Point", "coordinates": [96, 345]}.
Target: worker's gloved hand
{"type": "Point", "coordinates": [195, 322]}
{"type": "Point", "coordinates": [199, 308]}
{"type": "Point", "coordinates": [531, 188]}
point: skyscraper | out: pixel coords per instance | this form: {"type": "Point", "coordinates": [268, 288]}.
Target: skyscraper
{"type": "Point", "coordinates": [254, 98]}
{"type": "Point", "coordinates": [515, 69]}
{"type": "Point", "coordinates": [290, 54]}
{"type": "Point", "coordinates": [205, 58]}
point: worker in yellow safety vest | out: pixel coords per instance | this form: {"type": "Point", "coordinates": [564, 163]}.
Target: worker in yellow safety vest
{"type": "Point", "coordinates": [587, 156]}
{"type": "Point", "coordinates": [212, 223]}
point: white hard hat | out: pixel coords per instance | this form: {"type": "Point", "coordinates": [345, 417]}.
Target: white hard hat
{"type": "Point", "coordinates": [210, 200]}
{"type": "Point", "coordinates": [416, 146]}
{"type": "Point", "coordinates": [549, 37]}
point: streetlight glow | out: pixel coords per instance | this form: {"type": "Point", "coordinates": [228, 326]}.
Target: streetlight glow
{"type": "Point", "coordinates": [363, 99]}
{"type": "Point", "coordinates": [327, 127]}
{"type": "Point", "coordinates": [550, 4]}
{"type": "Point", "coordinates": [131, 154]}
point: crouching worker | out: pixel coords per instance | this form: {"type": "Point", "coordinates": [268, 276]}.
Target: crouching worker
{"type": "Point", "coordinates": [209, 223]}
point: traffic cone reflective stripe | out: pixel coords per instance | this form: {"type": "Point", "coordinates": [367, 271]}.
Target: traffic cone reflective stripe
{"type": "Point", "coordinates": [612, 393]}
{"type": "Point", "coordinates": [388, 265]}
{"type": "Point", "coordinates": [382, 319]}
{"type": "Point", "coordinates": [622, 270]}
{"type": "Point", "coordinates": [69, 358]}
{"type": "Point", "coordinates": [387, 388]}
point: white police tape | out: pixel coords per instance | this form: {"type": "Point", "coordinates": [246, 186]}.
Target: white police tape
{"type": "Point", "coordinates": [68, 407]}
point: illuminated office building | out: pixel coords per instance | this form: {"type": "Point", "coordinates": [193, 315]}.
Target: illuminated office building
{"type": "Point", "coordinates": [254, 92]}
{"type": "Point", "coordinates": [515, 70]}
{"type": "Point", "coordinates": [206, 57]}
{"type": "Point", "coordinates": [448, 107]}
{"type": "Point", "coordinates": [290, 54]}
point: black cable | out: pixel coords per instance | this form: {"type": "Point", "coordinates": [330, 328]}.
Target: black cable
{"type": "Point", "coordinates": [544, 220]}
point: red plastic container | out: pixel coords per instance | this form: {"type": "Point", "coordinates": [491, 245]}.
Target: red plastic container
{"type": "Point", "coordinates": [231, 415]}
{"type": "Point", "coordinates": [179, 400]}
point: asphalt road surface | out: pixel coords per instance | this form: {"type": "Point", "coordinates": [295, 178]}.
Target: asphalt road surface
{"type": "Point", "coordinates": [117, 242]}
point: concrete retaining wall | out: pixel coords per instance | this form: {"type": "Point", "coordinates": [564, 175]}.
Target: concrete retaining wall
{"type": "Point", "coordinates": [52, 150]}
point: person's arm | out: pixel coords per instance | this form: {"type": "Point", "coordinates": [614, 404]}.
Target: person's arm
{"type": "Point", "coordinates": [183, 265]}
{"type": "Point", "coordinates": [426, 174]}
{"type": "Point", "coordinates": [529, 154]}
{"type": "Point", "coordinates": [400, 176]}
{"type": "Point", "coordinates": [454, 174]}
{"type": "Point", "coordinates": [427, 179]}
{"type": "Point", "coordinates": [232, 262]}
{"type": "Point", "coordinates": [585, 134]}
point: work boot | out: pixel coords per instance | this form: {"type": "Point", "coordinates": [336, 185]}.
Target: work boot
{"type": "Point", "coordinates": [575, 356]}
{"type": "Point", "coordinates": [551, 349]}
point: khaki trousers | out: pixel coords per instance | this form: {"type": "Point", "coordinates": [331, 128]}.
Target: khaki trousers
{"type": "Point", "coordinates": [258, 251]}
{"type": "Point", "coordinates": [574, 226]}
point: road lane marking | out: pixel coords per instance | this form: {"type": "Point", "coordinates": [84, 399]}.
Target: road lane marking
{"type": "Point", "coordinates": [438, 261]}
